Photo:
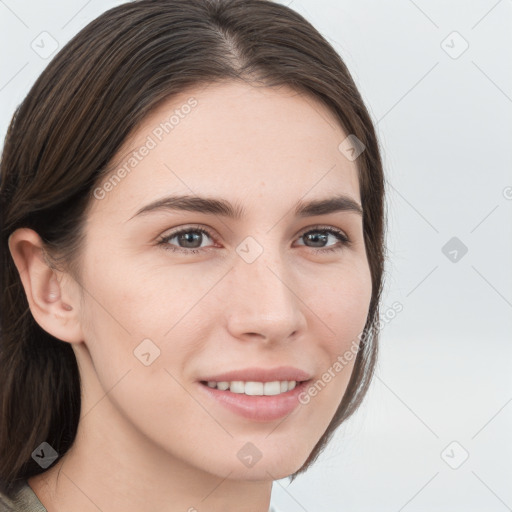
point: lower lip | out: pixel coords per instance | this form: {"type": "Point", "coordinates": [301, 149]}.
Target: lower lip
{"type": "Point", "coordinates": [258, 408]}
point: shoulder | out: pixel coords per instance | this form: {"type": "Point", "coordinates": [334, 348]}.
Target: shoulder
{"type": "Point", "coordinates": [23, 499]}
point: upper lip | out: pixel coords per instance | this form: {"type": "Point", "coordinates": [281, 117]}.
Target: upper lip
{"type": "Point", "coordinates": [260, 375]}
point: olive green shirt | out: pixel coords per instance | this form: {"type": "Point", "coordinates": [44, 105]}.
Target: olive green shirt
{"type": "Point", "coordinates": [25, 500]}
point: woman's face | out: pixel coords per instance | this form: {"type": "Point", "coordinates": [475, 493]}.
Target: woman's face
{"type": "Point", "coordinates": [252, 295]}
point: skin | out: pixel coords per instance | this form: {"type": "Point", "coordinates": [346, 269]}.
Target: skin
{"type": "Point", "coordinates": [147, 439]}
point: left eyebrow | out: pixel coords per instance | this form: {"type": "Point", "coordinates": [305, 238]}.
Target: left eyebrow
{"type": "Point", "coordinates": [223, 208]}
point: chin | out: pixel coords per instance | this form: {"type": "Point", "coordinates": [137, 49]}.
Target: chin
{"type": "Point", "coordinates": [262, 472]}
{"type": "Point", "coordinates": [274, 464]}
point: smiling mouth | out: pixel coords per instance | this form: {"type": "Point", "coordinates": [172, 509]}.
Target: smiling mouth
{"type": "Point", "coordinates": [254, 388]}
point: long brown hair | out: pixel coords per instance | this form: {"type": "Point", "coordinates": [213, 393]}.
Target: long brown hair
{"type": "Point", "coordinates": [63, 136]}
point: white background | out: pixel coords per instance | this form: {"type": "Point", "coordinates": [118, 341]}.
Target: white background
{"type": "Point", "coordinates": [445, 126]}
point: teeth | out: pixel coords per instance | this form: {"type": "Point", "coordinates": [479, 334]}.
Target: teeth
{"type": "Point", "coordinates": [237, 386]}
{"type": "Point", "coordinates": [272, 388]}
{"type": "Point", "coordinates": [254, 388]}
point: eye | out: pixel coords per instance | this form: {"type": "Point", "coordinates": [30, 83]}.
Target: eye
{"type": "Point", "coordinates": [193, 236]}
{"type": "Point", "coordinates": [325, 232]}
{"type": "Point", "coordinates": [189, 236]}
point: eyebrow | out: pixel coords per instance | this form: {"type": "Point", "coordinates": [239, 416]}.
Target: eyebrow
{"type": "Point", "coordinates": [223, 208]}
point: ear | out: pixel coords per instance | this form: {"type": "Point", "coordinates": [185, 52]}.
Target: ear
{"type": "Point", "coordinates": [53, 296]}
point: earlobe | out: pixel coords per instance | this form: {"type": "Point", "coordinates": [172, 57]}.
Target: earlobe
{"type": "Point", "coordinates": [49, 300]}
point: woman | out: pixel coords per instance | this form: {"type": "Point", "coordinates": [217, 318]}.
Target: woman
{"type": "Point", "coordinates": [192, 260]}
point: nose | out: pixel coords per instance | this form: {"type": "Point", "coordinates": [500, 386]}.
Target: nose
{"type": "Point", "coordinates": [261, 302]}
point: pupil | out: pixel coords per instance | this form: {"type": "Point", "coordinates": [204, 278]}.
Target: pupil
{"type": "Point", "coordinates": [189, 237]}
{"type": "Point", "coordinates": [315, 238]}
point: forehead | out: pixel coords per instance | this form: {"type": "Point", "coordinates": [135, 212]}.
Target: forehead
{"type": "Point", "coordinates": [234, 140]}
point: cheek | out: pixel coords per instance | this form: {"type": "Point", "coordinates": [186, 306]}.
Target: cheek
{"type": "Point", "coordinates": [344, 313]}
{"type": "Point", "coordinates": [345, 306]}
{"type": "Point", "coordinates": [126, 297]}
{"type": "Point", "coordinates": [134, 315]}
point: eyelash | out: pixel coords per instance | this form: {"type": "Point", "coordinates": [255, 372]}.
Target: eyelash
{"type": "Point", "coordinates": [345, 242]}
